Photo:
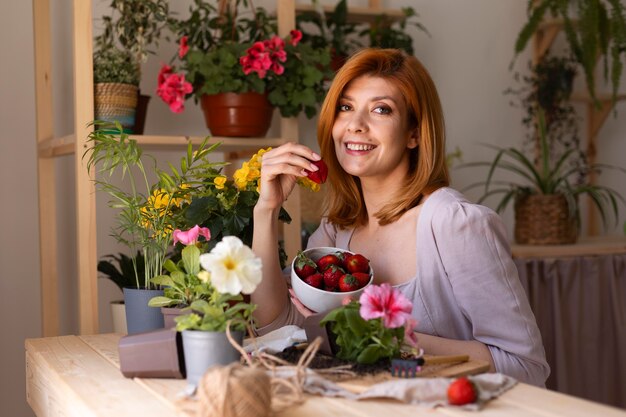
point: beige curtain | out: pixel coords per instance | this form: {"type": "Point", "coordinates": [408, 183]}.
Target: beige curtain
{"type": "Point", "coordinates": [580, 306]}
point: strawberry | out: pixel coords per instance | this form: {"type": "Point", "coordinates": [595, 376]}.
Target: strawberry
{"type": "Point", "coordinates": [332, 276]}
{"type": "Point", "coordinates": [304, 266]}
{"type": "Point", "coordinates": [327, 260]}
{"type": "Point", "coordinates": [356, 263]}
{"type": "Point", "coordinates": [315, 280]}
{"type": "Point", "coordinates": [461, 391]}
{"type": "Point", "coordinates": [362, 277]}
{"type": "Point", "coordinates": [348, 283]}
{"type": "Point", "coordinates": [321, 174]}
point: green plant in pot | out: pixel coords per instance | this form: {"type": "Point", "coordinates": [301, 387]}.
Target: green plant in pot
{"type": "Point", "coordinates": [230, 61]}
{"type": "Point", "coordinates": [320, 29]}
{"type": "Point", "coordinates": [147, 212]}
{"type": "Point", "coordinates": [134, 26]}
{"type": "Point", "coordinates": [388, 33]}
{"type": "Point", "coordinates": [116, 81]}
{"type": "Point", "coordinates": [594, 29]}
{"type": "Point", "coordinates": [546, 198]}
{"type": "Point", "coordinates": [229, 270]}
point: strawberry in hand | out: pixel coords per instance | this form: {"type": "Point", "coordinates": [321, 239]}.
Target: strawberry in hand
{"type": "Point", "coordinates": [321, 174]}
{"type": "Point", "coordinates": [462, 391]}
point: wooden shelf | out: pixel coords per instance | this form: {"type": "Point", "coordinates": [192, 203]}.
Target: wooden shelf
{"type": "Point", "coordinates": [589, 246]}
{"type": "Point", "coordinates": [66, 145]}
{"type": "Point", "coordinates": [357, 14]}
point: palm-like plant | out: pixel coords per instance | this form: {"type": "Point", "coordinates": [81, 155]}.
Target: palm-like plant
{"type": "Point", "coordinates": [551, 176]}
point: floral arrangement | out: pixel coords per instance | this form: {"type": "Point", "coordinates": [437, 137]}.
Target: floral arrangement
{"type": "Point", "coordinates": [228, 271]}
{"type": "Point", "coordinates": [149, 213]}
{"type": "Point", "coordinates": [377, 326]}
{"type": "Point", "coordinates": [225, 205]}
{"type": "Point", "coordinates": [224, 52]}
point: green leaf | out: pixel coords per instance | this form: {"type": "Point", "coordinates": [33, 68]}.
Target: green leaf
{"type": "Point", "coordinates": [191, 259]}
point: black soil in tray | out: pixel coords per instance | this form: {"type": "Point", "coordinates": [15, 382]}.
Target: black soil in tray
{"type": "Point", "coordinates": [324, 361]}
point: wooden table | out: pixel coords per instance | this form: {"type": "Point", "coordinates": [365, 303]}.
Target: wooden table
{"type": "Point", "coordinates": [79, 376]}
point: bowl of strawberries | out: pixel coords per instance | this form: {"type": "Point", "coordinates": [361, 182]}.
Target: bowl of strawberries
{"type": "Point", "coordinates": [322, 278]}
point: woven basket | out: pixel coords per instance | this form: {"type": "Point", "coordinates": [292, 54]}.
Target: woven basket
{"type": "Point", "coordinates": [544, 220]}
{"type": "Point", "coordinates": [116, 102]}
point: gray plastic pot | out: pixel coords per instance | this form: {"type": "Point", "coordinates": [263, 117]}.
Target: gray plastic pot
{"type": "Point", "coordinates": [206, 349]}
{"type": "Point", "coordinates": [140, 317]}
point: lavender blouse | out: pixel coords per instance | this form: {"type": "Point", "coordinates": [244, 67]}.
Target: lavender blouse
{"type": "Point", "coordinates": [466, 286]}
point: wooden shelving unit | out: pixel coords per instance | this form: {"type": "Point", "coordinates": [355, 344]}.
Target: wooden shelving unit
{"type": "Point", "coordinates": [50, 147]}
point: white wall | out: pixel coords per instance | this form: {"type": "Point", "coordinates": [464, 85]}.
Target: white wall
{"type": "Point", "coordinates": [468, 56]}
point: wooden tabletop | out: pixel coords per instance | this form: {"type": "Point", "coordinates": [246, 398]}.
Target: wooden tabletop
{"type": "Point", "coordinates": [80, 376]}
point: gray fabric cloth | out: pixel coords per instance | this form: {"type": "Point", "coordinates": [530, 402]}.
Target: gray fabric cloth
{"type": "Point", "coordinates": [580, 305]}
{"type": "Point", "coordinates": [423, 392]}
{"type": "Point", "coordinates": [466, 286]}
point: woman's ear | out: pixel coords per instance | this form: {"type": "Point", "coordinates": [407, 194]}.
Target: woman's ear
{"type": "Point", "coordinates": [414, 137]}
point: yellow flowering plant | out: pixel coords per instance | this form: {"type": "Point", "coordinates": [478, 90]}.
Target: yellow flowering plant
{"type": "Point", "coordinates": [227, 204]}
{"type": "Point", "coordinates": [148, 213]}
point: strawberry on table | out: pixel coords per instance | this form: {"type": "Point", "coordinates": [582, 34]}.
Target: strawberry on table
{"type": "Point", "coordinates": [356, 263]}
{"type": "Point", "coordinates": [304, 266]}
{"type": "Point", "coordinates": [315, 280]}
{"type": "Point", "coordinates": [462, 391]}
{"type": "Point", "coordinates": [327, 260]}
{"type": "Point", "coordinates": [348, 283]}
{"type": "Point", "coordinates": [331, 277]}
{"type": "Point", "coordinates": [321, 174]}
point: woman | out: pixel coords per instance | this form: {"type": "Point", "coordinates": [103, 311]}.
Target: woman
{"type": "Point", "coordinates": [381, 132]}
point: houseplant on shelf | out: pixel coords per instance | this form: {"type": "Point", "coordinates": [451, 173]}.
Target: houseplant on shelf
{"type": "Point", "coordinates": [236, 60]}
{"type": "Point", "coordinates": [546, 200]}
{"type": "Point", "coordinates": [387, 33]}
{"type": "Point", "coordinates": [148, 213]}
{"type": "Point", "coordinates": [116, 81]}
{"type": "Point", "coordinates": [228, 271]}
{"type": "Point", "coordinates": [135, 26]}
{"type": "Point", "coordinates": [594, 29]}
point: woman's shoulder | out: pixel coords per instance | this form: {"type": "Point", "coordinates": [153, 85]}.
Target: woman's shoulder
{"type": "Point", "coordinates": [449, 207]}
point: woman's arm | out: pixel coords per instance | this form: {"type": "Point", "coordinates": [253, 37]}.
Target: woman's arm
{"type": "Point", "coordinates": [280, 169]}
{"type": "Point", "coordinates": [434, 345]}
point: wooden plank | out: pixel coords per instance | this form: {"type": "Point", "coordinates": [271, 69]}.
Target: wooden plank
{"type": "Point", "coordinates": [589, 246]}
{"type": "Point", "coordinates": [549, 403]}
{"type": "Point", "coordinates": [45, 171]}
{"type": "Point", "coordinates": [358, 14]}
{"type": "Point", "coordinates": [66, 377]}
{"type": "Point", "coordinates": [85, 189]}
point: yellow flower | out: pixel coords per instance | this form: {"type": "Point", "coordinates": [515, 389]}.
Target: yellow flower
{"type": "Point", "coordinates": [219, 182]}
{"type": "Point", "coordinates": [241, 176]}
{"type": "Point", "coordinates": [307, 183]}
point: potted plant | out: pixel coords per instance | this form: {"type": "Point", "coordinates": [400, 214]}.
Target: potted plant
{"type": "Point", "coordinates": [228, 271]}
{"type": "Point", "coordinates": [181, 286]}
{"type": "Point", "coordinates": [116, 81]}
{"type": "Point", "coordinates": [387, 33]}
{"type": "Point", "coordinates": [235, 61]}
{"type": "Point", "coordinates": [135, 26]}
{"type": "Point", "coordinates": [546, 200]}
{"type": "Point", "coordinates": [332, 29]}
{"type": "Point", "coordinates": [148, 213]}
{"type": "Point", "coordinates": [594, 30]}
{"type": "Point", "coordinates": [120, 269]}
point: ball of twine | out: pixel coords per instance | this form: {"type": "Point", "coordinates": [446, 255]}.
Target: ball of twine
{"type": "Point", "coordinates": [234, 391]}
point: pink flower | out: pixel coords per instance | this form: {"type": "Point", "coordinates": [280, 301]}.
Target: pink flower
{"type": "Point", "coordinates": [190, 237]}
{"type": "Point", "coordinates": [183, 48]}
{"type": "Point", "coordinates": [172, 88]}
{"type": "Point", "coordinates": [386, 302]}
{"type": "Point", "coordinates": [296, 36]}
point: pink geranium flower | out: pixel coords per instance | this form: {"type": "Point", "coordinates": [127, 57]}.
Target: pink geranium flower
{"type": "Point", "coordinates": [296, 36]}
{"type": "Point", "coordinates": [385, 302]}
{"type": "Point", "coordinates": [183, 47]}
{"type": "Point", "coordinates": [172, 88]}
{"type": "Point", "coordinates": [190, 237]}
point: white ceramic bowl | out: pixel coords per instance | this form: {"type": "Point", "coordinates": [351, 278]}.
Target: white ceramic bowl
{"type": "Point", "coordinates": [322, 300]}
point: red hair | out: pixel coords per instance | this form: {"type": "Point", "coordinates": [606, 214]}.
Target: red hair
{"type": "Point", "coordinates": [427, 166]}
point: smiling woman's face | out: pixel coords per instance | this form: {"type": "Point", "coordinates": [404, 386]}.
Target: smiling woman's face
{"type": "Point", "coordinates": [371, 133]}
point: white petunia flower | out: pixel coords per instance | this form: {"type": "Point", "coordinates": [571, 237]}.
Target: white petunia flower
{"type": "Point", "coordinates": [233, 266]}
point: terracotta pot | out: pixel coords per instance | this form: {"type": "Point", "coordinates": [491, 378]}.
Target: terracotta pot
{"type": "Point", "coordinates": [239, 115]}
{"type": "Point", "coordinates": [170, 313]}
